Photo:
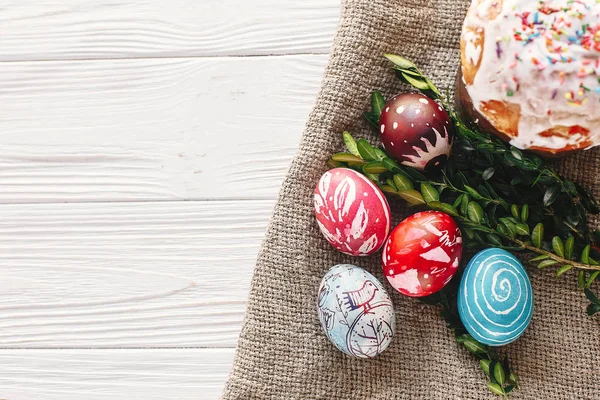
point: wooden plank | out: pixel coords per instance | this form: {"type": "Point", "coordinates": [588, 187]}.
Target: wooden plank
{"type": "Point", "coordinates": [149, 374]}
{"type": "Point", "coordinates": [127, 275]}
{"type": "Point", "coordinates": [155, 129]}
{"type": "Point", "coordinates": [70, 29]}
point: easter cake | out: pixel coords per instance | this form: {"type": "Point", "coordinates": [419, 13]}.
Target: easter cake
{"type": "Point", "coordinates": [530, 72]}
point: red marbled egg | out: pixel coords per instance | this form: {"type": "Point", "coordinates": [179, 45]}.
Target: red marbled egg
{"type": "Point", "coordinates": [416, 131]}
{"type": "Point", "coordinates": [422, 253]}
{"type": "Point", "coordinates": [353, 214]}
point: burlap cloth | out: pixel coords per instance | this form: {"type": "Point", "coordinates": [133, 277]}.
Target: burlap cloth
{"type": "Point", "coordinates": [282, 351]}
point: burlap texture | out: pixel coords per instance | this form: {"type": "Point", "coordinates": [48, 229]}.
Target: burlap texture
{"type": "Point", "coordinates": [282, 351]}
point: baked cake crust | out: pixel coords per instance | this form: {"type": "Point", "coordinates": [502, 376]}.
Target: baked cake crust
{"type": "Point", "coordinates": [530, 72]}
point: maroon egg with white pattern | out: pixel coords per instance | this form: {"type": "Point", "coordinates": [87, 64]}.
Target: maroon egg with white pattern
{"type": "Point", "coordinates": [352, 213]}
{"type": "Point", "coordinates": [416, 131]}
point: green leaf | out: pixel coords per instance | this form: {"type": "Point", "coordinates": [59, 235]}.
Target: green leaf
{"type": "Point", "coordinates": [411, 72]}
{"type": "Point", "coordinates": [494, 239]}
{"type": "Point", "coordinates": [380, 153]}
{"type": "Point", "coordinates": [512, 219]}
{"type": "Point", "coordinates": [464, 205]}
{"type": "Point", "coordinates": [400, 62]}
{"type": "Point", "coordinates": [416, 175]}
{"type": "Point", "coordinates": [483, 147]}
{"type": "Point", "coordinates": [372, 119]}
{"type": "Point", "coordinates": [587, 199]}
{"type": "Point", "coordinates": [433, 88]}
{"type": "Point", "coordinates": [350, 144]}
{"type": "Point", "coordinates": [418, 83]}
{"type": "Point", "coordinates": [592, 309]}
{"type": "Point", "coordinates": [491, 190]}
{"type": "Point", "coordinates": [591, 296]}
{"type": "Point", "coordinates": [591, 279]}
{"type": "Point", "coordinates": [374, 167]}
{"type": "Point", "coordinates": [512, 377]}
{"type": "Point", "coordinates": [402, 182]}
{"type": "Point", "coordinates": [563, 269]}
{"type": "Point", "coordinates": [390, 182]}
{"type": "Point", "coordinates": [388, 189]}
{"type": "Point", "coordinates": [539, 258]}
{"type": "Point", "coordinates": [495, 388]}
{"type": "Point", "coordinates": [558, 246]}
{"type": "Point", "coordinates": [509, 389]}
{"type": "Point", "coordinates": [475, 212]}
{"type": "Point", "coordinates": [346, 157]}
{"type": "Point", "coordinates": [429, 192]}
{"type": "Point", "coordinates": [537, 235]}
{"type": "Point", "coordinates": [392, 166]}
{"type": "Point", "coordinates": [569, 247]}
{"type": "Point", "coordinates": [551, 195]}
{"type": "Point", "coordinates": [366, 150]}
{"type": "Point", "coordinates": [477, 227]}
{"type": "Point", "coordinates": [474, 193]}
{"type": "Point", "coordinates": [499, 374]}
{"type": "Point", "coordinates": [525, 213]}
{"type": "Point", "coordinates": [502, 230]}
{"type": "Point", "coordinates": [522, 229]}
{"type": "Point", "coordinates": [516, 153]}
{"type": "Point", "coordinates": [484, 363]}
{"type": "Point", "coordinates": [570, 187]}
{"type": "Point", "coordinates": [458, 201]}
{"type": "Point", "coordinates": [377, 103]}
{"type": "Point", "coordinates": [356, 165]}
{"type": "Point", "coordinates": [504, 204]}
{"type": "Point", "coordinates": [492, 365]}
{"type": "Point", "coordinates": [488, 173]}
{"type": "Point", "coordinates": [581, 279]}
{"type": "Point", "coordinates": [471, 344]}
{"type": "Point", "coordinates": [547, 263]}
{"type": "Point", "coordinates": [585, 255]}
{"type": "Point", "coordinates": [334, 164]}
{"type": "Point", "coordinates": [514, 210]}
{"type": "Point", "coordinates": [444, 207]}
{"type": "Point", "coordinates": [411, 196]}
{"type": "Point", "coordinates": [510, 226]}
{"type": "Point", "coordinates": [372, 177]}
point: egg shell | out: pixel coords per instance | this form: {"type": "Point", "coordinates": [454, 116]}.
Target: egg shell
{"type": "Point", "coordinates": [355, 311]}
{"type": "Point", "coordinates": [416, 131]}
{"type": "Point", "coordinates": [352, 213]}
{"type": "Point", "coordinates": [495, 300]}
{"type": "Point", "coordinates": [422, 253]}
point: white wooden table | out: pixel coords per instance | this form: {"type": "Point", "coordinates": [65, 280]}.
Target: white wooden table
{"type": "Point", "coordinates": [142, 145]}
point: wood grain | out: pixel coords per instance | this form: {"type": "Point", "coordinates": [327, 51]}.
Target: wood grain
{"type": "Point", "coordinates": [155, 129]}
{"type": "Point", "coordinates": [100, 29]}
{"type": "Point", "coordinates": [127, 275]}
{"type": "Point", "coordinates": [111, 111]}
{"type": "Point", "coordinates": [126, 374]}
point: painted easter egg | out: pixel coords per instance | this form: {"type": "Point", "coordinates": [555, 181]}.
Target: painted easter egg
{"type": "Point", "coordinates": [355, 311]}
{"type": "Point", "coordinates": [422, 253]}
{"type": "Point", "coordinates": [352, 213]}
{"type": "Point", "coordinates": [416, 131]}
{"type": "Point", "coordinates": [495, 300]}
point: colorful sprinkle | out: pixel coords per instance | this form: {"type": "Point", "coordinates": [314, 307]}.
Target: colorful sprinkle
{"type": "Point", "coordinates": [566, 35]}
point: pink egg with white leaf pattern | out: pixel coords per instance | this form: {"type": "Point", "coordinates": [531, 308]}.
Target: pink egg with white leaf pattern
{"type": "Point", "coordinates": [353, 214]}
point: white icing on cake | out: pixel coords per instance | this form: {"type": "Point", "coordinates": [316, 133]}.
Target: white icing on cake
{"type": "Point", "coordinates": [543, 56]}
{"type": "Point", "coordinates": [472, 49]}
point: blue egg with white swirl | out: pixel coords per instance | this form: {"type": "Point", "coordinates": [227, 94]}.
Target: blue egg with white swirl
{"type": "Point", "coordinates": [495, 300]}
{"type": "Point", "coordinates": [355, 311]}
